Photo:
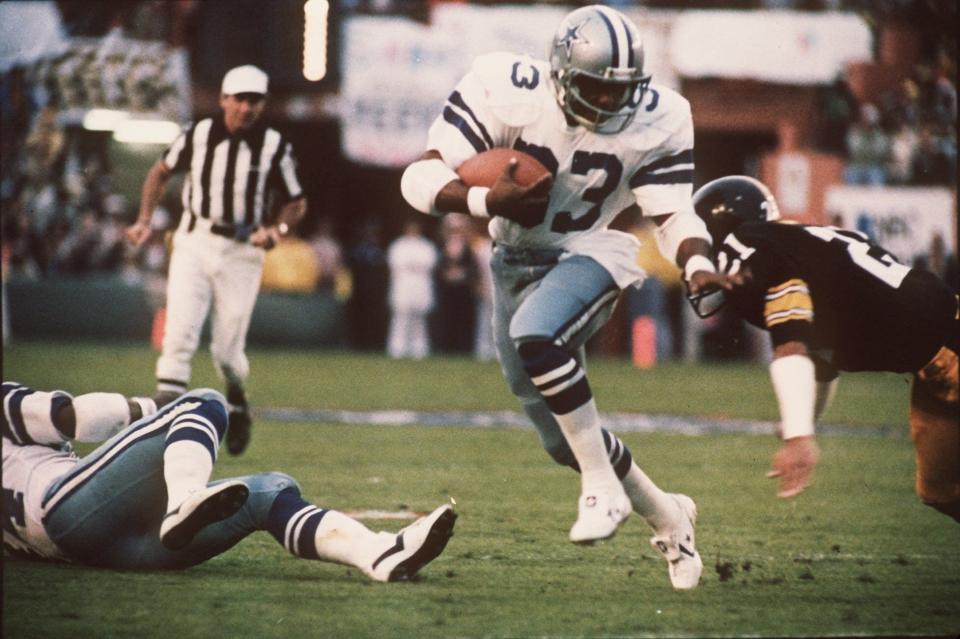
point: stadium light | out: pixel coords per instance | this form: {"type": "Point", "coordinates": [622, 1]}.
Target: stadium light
{"type": "Point", "coordinates": [146, 132]}
{"type": "Point", "coordinates": [315, 39]}
{"type": "Point", "coordinates": [103, 119]}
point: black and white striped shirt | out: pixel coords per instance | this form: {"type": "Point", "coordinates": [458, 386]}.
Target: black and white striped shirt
{"type": "Point", "coordinates": [230, 179]}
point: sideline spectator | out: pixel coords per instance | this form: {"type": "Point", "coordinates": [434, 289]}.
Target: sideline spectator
{"type": "Point", "coordinates": [291, 267]}
{"type": "Point", "coordinates": [930, 165]}
{"type": "Point", "coordinates": [411, 258]}
{"type": "Point", "coordinates": [483, 346]}
{"type": "Point", "coordinates": [868, 149]}
{"type": "Point", "coordinates": [367, 308]}
{"type": "Point", "coordinates": [329, 257]}
{"type": "Point", "coordinates": [457, 276]}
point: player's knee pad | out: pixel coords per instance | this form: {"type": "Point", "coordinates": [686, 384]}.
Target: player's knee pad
{"type": "Point", "coordinates": [205, 394]}
{"type": "Point", "coordinates": [264, 489]}
{"type": "Point", "coordinates": [207, 405]}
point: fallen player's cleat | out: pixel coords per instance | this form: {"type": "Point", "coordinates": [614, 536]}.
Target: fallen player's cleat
{"type": "Point", "coordinates": [202, 508]}
{"type": "Point", "coordinates": [414, 546]}
{"type": "Point", "coordinates": [679, 549]}
{"type": "Point", "coordinates": [599, 514]}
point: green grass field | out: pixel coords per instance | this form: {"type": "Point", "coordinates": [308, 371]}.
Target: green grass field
{"type": "Point", "coordinates": [856, 554]}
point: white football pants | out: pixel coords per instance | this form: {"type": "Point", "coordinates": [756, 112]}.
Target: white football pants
{"type": "Point", "coordinates": [207, 271]}
{"type": "Point", "coordinates": [409, 335]}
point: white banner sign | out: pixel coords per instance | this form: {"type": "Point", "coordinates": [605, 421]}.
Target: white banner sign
{"type": "Point", "coordinates": [902, 220]}
{"type": "Point", "coordinates": [790, 47]}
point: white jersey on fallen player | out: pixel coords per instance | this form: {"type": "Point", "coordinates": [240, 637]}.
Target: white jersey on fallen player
{"type": "Point", "coordinates": [506, 100]}
{"type": "Point", "coordinates": [35, 455]}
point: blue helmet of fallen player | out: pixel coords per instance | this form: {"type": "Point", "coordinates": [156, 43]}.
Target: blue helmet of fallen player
{"type": "Point", "coordinates": [724, 204]}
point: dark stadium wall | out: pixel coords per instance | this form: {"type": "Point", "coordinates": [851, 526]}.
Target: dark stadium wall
{"type": "Point", "coordinates": [106, 308]}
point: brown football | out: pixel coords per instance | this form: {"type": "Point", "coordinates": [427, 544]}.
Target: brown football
{"type": "Point", "coordinates": [484, 168]}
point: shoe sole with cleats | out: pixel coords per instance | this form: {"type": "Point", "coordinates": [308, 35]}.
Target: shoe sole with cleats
{"type": "Point", "coordinates": [199, 511]}
{"type": "Point", "coordinates": [434, 542]}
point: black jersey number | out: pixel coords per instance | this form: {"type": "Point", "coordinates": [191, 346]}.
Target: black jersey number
{"type": "Point", "coordinates": [583, 163]}
{"type": "Point", "coordinates": [871, 258]}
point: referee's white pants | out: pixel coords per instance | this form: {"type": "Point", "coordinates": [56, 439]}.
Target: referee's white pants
{"type": "Point", "coordinates": [209, 272]}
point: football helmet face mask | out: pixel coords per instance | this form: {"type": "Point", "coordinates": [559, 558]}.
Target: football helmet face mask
{"type": "Point", "coordinates": [724, 204]}
{"type": "Point", "coordinates": [596, 65]}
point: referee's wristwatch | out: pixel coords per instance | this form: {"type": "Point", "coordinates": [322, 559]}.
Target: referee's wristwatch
{"type": "Point", "coordinates": [283, 229]}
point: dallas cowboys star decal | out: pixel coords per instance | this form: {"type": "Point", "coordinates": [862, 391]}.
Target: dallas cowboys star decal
{"type": "Point", "coordinates": [572, 37]}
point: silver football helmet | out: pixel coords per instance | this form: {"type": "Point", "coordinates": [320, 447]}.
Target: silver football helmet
{"type": "Point", "coordinates": [596, 64]}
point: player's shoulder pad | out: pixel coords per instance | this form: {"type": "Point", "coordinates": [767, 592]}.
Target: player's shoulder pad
{"type": "Point", "coordinates": [514, 85]}
{"type": "Point", "coordinates": [757, 235]}
{"type": "Point", "coordinates": [662, 108]}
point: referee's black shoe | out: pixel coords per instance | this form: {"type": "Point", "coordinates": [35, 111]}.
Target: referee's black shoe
{"type": "Point", "coordinates": [238, 430]}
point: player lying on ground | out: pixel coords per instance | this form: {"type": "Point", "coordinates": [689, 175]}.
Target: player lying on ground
{"type": "Point", "coordinates": [834, 301]}
{"type": "Point", "coordinates": [142, 499]}
{"type": "Point", "coordinates": [611, 140]}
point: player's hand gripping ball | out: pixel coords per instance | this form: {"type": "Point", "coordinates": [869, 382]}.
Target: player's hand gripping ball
{"type": "Point", "coordinates": [519, 184]}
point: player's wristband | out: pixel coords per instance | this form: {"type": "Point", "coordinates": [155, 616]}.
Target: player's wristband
{"type": "Point", "coordinates": [796, 390]}
{"type": "Point", "coordinates": [697, 263]}
{"type": "Point", "coordinates": [477, 201]}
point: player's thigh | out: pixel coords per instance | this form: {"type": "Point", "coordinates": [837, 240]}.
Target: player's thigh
{"type": "Point", "coordinates": [189, 285]}
{"type": "Point", "coordinates": [570, 304]}
{"type": "Point", "coordinates": [99, 513]}
{"type": "Point", "coordinates": [237, 286]}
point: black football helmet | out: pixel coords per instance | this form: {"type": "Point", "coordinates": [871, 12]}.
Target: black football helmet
{"type": "Point", "coordinates": [727, 202]}
{"type": "Point", "coordinates": [723, 205]}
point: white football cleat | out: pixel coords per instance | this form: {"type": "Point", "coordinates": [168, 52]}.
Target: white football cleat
{"type": "Point", "coordinates": [679, 549]}
{"type": "Point", "coordinates": [202, 508]}
{"type": "Point", "coordinates": [414, 546]}
{"type": "Point", "coordinates": [599, 514]}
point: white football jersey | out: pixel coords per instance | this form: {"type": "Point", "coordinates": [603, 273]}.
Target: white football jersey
{"type": "Point", "coordinates": [27, 473]}
{"type": "Point", "coordinates": [35, 454]}
{"type": "Point", "coordinates": [506, 100]}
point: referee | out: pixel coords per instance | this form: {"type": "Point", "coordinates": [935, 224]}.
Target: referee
{"type": "Point", "coordinates": [241, 194]}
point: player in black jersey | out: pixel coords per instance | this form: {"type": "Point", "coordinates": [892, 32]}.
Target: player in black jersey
{"type": "Point", "coordinates": [833, 301]}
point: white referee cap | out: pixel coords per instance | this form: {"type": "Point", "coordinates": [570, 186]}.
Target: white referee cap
{"type": "Point", "coordinates": [245, 79]}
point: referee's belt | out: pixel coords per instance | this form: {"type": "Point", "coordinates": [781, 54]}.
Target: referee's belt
{"type": "Point", "coordinates": [238, 232]}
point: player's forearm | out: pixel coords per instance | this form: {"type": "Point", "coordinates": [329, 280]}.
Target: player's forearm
{"type": "Point", "coordinates": [682, 237]}
{"type": "Point", "coordinates": [153, 187]}
{"type": "Point", "coordinates": [431, 187]}
{"type": "Point", "coordinates": [290, 214]}
{"type": "Point", "coordinates": [794, 382]}
{"type": "Point", "coordinates": [693, 255]}
{"type": "Point", "coordinates": [95, 417]}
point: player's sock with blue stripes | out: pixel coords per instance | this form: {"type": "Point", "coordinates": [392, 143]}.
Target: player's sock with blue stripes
{"type": "Point", "coordinates": [191, 450]}
{"type": "Point", "coordinates": [310, 532]}
{"type": "Point", "coordinates": [563, 384]}
{"type": "Point", "coordinates": [647, 499]}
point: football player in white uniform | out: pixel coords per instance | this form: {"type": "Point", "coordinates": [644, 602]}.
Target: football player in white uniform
{"type": "Point", "coordinates": [143, 498]}
{"type": "Point", "coordinates": [611, 141]}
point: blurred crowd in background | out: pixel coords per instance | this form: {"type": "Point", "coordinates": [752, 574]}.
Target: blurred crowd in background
{"type": "Point", "coordinates": [64, 216]}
